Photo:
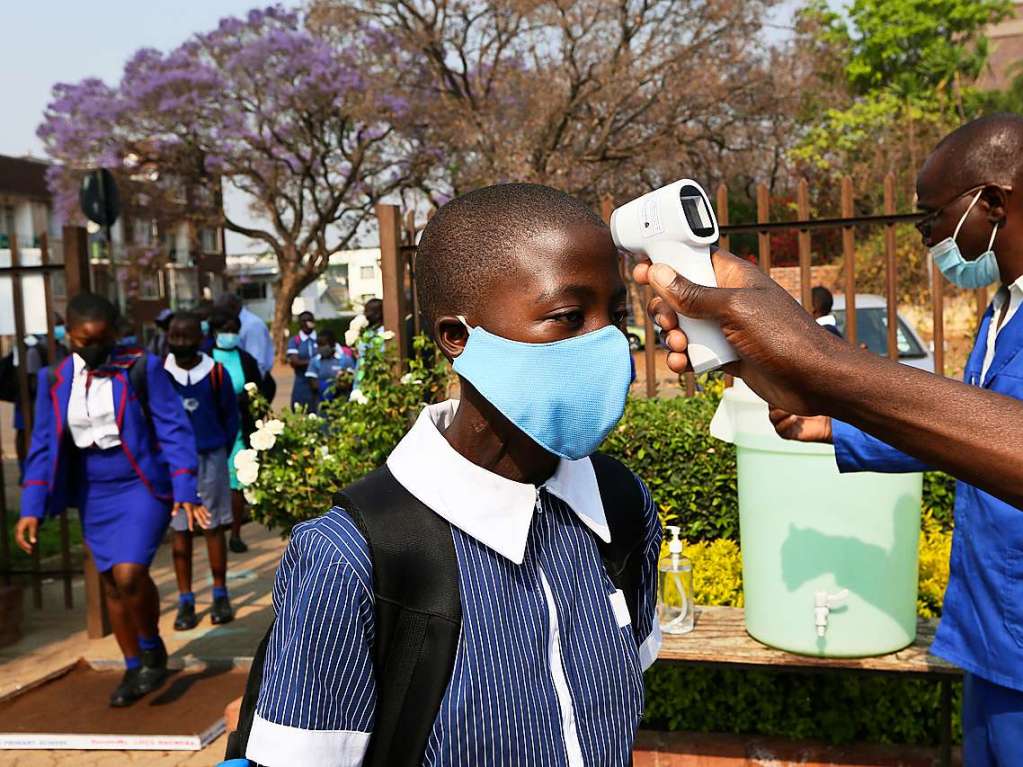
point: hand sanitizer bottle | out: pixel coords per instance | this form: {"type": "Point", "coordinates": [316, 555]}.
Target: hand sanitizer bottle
{"type": "Point", "coordinates": [675, 609]}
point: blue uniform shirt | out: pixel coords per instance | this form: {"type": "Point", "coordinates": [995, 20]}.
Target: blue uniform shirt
{"type": "Point", "coordinates": [981, 627]}
{"type": "Point", "coordinates": [305, 347]}
{"type": "Point", "coordinates": [324, 371]}
{"type": "Point", "coordinates": [549, 665]}
{"type": "Point", "coordinates": [211, 408]}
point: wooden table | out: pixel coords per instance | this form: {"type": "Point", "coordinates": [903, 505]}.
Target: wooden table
{"type": "Point", "coordinates": [720, 640]}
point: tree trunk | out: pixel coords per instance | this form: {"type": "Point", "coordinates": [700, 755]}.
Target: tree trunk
{"type": "Point", "coordinates": [286, 290]}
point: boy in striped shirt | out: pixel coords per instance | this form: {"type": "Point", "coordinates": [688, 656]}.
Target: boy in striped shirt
{"type": "Point", "coordinates": [520, 286]}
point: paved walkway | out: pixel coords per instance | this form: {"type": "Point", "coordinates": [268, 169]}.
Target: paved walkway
{"type": "Point", "coordinates": [55, 637]}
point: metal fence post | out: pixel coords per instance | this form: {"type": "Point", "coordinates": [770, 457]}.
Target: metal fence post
{"type": "Point", "coordinates": [803, 207]}
{"type": "Point", "coordinates": [891, 273]}
{"type": "Point", "coordinates": [849, 255]}
{"type": "Point", "coordinates": [763, 238]}
{"type": "Point", "coordinates": [392, 268]}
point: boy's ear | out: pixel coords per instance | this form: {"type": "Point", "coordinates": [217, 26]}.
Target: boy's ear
{"type": "Point", "coordinates": [451, 335]}
{"type": "Point", "coordinates": [997, 200]}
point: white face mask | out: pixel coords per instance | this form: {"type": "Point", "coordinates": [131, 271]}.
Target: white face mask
{"type": "Point", "coordinates": [978, 273]}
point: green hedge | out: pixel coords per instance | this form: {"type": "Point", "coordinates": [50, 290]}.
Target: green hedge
{"type": "Point", "coordinates": [692, 476]}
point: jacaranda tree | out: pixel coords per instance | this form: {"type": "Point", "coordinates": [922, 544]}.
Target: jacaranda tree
{"type": "Point", "coordinates": [258, 104]}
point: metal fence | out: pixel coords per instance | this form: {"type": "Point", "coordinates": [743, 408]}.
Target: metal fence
{"type": "Point", "coordinates": [397, 243]}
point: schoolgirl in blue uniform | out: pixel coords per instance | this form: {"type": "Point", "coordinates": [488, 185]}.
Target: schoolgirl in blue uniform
{"type": "Point", "coordinates": [114, 441]}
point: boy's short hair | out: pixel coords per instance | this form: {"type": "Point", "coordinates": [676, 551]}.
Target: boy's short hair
{"type": "Point", "coordinates": [466, 245]}
{"type": "Point", "coordinates": [326, 335]}
{"type": "Point", "coordinates": [90, 307]}
{"type": "Point", "coordinates": [187, 318]}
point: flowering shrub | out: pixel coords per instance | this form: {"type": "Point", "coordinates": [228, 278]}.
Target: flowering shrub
{"type": "Point", "coordinates": [299, 460]}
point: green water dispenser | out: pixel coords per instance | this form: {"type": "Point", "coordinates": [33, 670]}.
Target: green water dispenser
{"type": "Point", "coordinates": [829, 559]}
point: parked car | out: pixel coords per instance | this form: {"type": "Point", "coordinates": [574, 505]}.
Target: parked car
{"type": "Point", "coordinates": [872, 329]}
{"type": "Point", "coordinates": [637, 337]}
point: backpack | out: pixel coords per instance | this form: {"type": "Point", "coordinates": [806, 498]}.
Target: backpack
{"type": "Point", "coordinates": [418, 620]}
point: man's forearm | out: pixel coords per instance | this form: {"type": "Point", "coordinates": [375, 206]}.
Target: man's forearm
{"type": "Point", "coordinates": [971, 433]}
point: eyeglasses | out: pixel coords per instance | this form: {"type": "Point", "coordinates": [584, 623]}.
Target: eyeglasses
{"type": "Point", "coordinates": [924, 224]}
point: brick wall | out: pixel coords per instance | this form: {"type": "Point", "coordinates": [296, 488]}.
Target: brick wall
{"type": "Point", "coordinates": [788, 277]}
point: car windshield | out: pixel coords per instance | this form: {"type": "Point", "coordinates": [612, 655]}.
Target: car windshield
{"type": "Point", "coordinates": [872, 329]}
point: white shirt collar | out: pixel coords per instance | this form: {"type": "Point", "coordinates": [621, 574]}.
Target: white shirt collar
{"type": "Point", "coordinates": [827, 319]}
{"type": "Point", "coordinates": [492, 509]}
{"type": "Point", "coordinates": [303, 336]}
{"type": "Point", "coordinates": [191, 376]}
{"type": "Point", "coordinates": [1014, 290]}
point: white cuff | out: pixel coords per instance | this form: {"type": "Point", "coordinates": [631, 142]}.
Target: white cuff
{"type": "Point", "coordinates": [277, 745]}
{"type": "Point", "coordinates": [650, 647]}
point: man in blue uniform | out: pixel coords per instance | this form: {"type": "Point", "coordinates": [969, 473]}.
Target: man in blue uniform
{"type": "Point", "coordinates": [971, 189]}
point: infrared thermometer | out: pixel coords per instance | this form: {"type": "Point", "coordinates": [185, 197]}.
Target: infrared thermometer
{"type": "Point", "coordinates": [675, 225]}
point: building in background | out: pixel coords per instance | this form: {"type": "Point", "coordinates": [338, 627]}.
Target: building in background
{"type": "Point", "coordinates": [352, 278]}
{"type": "Point", "coordinates": [1006, 44]}
{"type": "Point", "coordinates": [26, 215]}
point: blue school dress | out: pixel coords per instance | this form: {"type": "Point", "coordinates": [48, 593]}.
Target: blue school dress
{"type": "Point", "coordinates": [122, 467]}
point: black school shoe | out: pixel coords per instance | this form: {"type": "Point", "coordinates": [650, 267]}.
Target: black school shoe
{"type": "Point", "coordinates": [127, 692]}
{"type": "Point", "coordinates": [237, 545]}
{"type": "Point", "coordinates": [186, 617]}
{"type": "Point", "coordinates": [154, 669]}
{"type": "Point", "coordinates": [222, 611]}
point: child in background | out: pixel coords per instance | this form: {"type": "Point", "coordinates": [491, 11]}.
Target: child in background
{"type": "Point", "coordinates": [208, 397]}
{"type": "Point", "coordinates": [332, 368]}
{"type": "Point", "coordinates": [243, 369]}
{"type": "Point", "coordinates": [112, 439]}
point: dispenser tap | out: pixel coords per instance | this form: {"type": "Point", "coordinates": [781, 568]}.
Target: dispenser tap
{"type": "Point", "coordinates": [824, 603]}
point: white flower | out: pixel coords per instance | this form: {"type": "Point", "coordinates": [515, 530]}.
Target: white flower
{"type": "Point", "coordinates": [250, 497]}
{"type": "Point", "coordinates": [259, 423]}
{"type": "Point", "coordinates": [358, 396]}
{"type": "Point", "coordinates": [248, 474]}
{"type": "Point", "coordinates": [324, 451]}
{"type": "Point", "coordinates": [245, 458]}
{"type": "Point", "coordinates": [313, 417]}
{"type": "Point", "coordinates": [355, 328]}
{"type": "Point", "coordinates": [263, 439]}
{"type": "Point", "coordinates": [251, 388]}
{"type": "Point", "coordinates": [275, 426]}
{"type": "Point", "coordinates": [408, 379]}
{"type": "Point", "coordinates": [387, 335]}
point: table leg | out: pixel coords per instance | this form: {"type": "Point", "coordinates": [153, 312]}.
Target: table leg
{"type": "Point", "coordinates": [946, 723]}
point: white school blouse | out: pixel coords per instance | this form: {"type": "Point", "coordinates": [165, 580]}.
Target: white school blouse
{"type": "Point", "coordinates": [91, 416]}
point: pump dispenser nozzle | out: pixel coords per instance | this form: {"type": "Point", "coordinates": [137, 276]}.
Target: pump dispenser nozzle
{"type": "Point", "coordinates": [675, 542]}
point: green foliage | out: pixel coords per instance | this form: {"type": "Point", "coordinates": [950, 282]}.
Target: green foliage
{"type": "Point", "coordinates": [49, 539]}
{"type": "Point", "coordinates": [690, 474]}
{"type": "Point", "coordinates": [839, 708]}
{"type": "Point", "coordinates": [314, 455]}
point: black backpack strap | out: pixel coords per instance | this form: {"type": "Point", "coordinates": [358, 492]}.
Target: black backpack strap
{"type": "Point", "coordinates": [238, 740]}
{"type": "Point", "coordinates": [418, 620]}
{"type": "Point", "coordinates": [139, 379]}
{"type": "Point", "coordinates": [624, 505]}
{"type": "Point", "coordinates": [418, 613]}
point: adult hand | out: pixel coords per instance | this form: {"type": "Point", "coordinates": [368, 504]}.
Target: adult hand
{"type": "Point", "coordinates": [801, 428]}
{"type": "Point", "coordinates": [194, 512]}
{"type": "Point", "coordinates": [26, 533]}
{"type": "Point", "coordinates": [782, 350]}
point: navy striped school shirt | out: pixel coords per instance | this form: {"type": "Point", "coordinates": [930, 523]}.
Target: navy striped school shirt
{"type": "Point", "coordinates": [549, 664]}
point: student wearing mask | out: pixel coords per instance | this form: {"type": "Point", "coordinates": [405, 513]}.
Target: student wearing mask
{"type": "Point", "coordinates": [112, 439]}
{"type": "Point", "coordinates": [540, 659]}
{"type": "Point", "coordinates": [330, 371]}
{"type": "Point", "coordinates": [254, 336]}
{"type": "Point", "coordinates": [244, 370]}
{"type": "Point", "coordinates": [302, 348]}
{"type": "Point", "coordinates": [208, 397]}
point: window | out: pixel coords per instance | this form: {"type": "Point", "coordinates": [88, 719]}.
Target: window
{"type": "Point", "coordinates": [252, 291]}
{"type": "Point", "coordinates": [6, 225]}
{"type": "Point", "coordinates": [150, 286]}
{"type": "Point", "coordinates": [209, 240]}
{"type": "Point", "coordinates": [141, 231]}
{"type": "Point", "coordinates": [367, 272]}
{"type": "Point", "coordinates": [872, 330]}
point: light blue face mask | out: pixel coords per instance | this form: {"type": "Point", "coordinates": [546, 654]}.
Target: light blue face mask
{"type": "Point", "coordinates": [978, 273]}
{"type": "Point", "coordinates": [565, 395]}
{"type": "Point", "coordinates": [204, 326]}
{"type": "Point", "coordinates": [227, 341]}
{"type": "Point", "coordinates": [59, 332]}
